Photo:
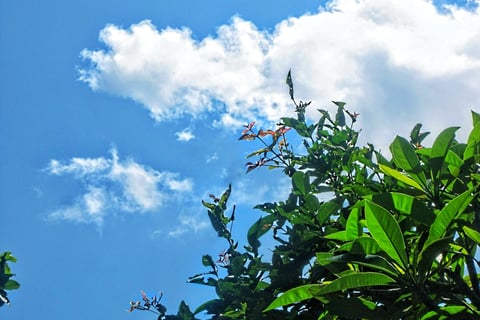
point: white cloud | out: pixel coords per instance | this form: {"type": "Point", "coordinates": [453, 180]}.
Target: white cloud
{"type": "Point", "coordinates": [180, 185]}
{"type": "Point", "coordinates": [79, 166]}
{"type": "Point", "coordinates": [397, 63]}
{"type": "Point", "coordinates": [185, 135]}
{"type": "Point", "coordinates": [213, 157]}
{"type": "Point", "coordinates": [188, 224]}
{"type": "Point", "coordinates": [113, 185]}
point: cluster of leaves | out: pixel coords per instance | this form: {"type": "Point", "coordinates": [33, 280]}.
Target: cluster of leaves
{"type": "Point", "coordinates": [360, 236]}
{"type": "Point", "coordinates": [6, 283]}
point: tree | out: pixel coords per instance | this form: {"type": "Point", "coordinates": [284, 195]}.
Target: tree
{"type": "Point", "coordinates": [360, 236]}
{"type": "Point", "coordinates": [6, 283]}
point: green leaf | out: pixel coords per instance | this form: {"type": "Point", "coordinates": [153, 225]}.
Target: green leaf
{"type": "Point", "coordinates": [351, 281]}
{"type": "Point", "coordinates": [184, 312]}
{"type": "Point", "coordinates": [473, 143]}
{"type": "Point", "coordinates": [386, 231]}
{"type": "Point", "coordinates": [7, 255]}
{"type": "Point", "coordinates": [339, 235]}
{"type": "Point", "coordinates": [362, 245]}
{"type": "Point", "coordinates": [339, 104]}
{"type": "Point", "coordinates": [415, 132]}
{"type": "Point", "coordinates": [301, 183]}
{"type": "Point", "coordinates": [289, 82]}
{"type": "Point", "coordinates": [11, 285]}
{"type": "Point", "coordinates": [224, 198]}
{"type": "Point", "coordinates": [207, 261]}
{"type": "Point", "coordinates": [404, 155]}
{"type": "Point", "coordinates": [299, 126]}
{"type": "Point", "coordinates": [429, 254]}
{"type": "Point", "coordinates": [472, 234]}
{"type": "Point", "coordinates": [406, 204]}
{"type": "Point", "coordinates": [475, 118]}
{"type": "Point", "coordinates": [213, 306]}
{"type": "Point", "coordinates": [327, 209]}
{"type": "Point", "coordinates": [340, 116]}
{"type": "Point", "coordinates": [259, 228]}
{"type": "Point", "coordinates": [439, 150]}
{"type": "Point", "coordinates": [353, 227]}
{"type": "Point", "coordinates": [400, 177]}
{"type": "Point", "coordinates": [440, 314]}
{"type": "Point", "coordinates": [445, 217]}
{"type": "Point", "coordinates": [292, 296]}
{"type": "Point", "coordinates": [256, 153]}
{"type": "Point", "coordinates": [358, 308]}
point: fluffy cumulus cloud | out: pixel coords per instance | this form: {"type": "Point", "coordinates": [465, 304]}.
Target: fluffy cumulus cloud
{"type": "Point", "coordinates": [113, 185]}
{"type": "Point", "coordinates": [395, 62]}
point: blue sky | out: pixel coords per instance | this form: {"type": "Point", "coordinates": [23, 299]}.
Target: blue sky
{"type": "Point", "coordinates": [118, 117]}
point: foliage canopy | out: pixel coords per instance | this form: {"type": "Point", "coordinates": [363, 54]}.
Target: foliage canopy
{"type": "Point", "coordinates": [359, 237]}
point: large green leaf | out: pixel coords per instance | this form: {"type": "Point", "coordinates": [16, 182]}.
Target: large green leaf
{"type": "Point", "coordinates": [439, 150]}
{"type": "Point", "coordinates": [404, 154]}
{"type": "Point", "coordinates": [353, 227]}
{"type": "Point", "coordinates": [400, 177]}
{"type": "Point", "coordinates": [348, 281]}
{"type": "Point", "coordinates": [445, 217]}
{"type": "Point", "coordinates": [405, 204]}
{"type": "Point", "coordinates": [351, 281]}
{"type": "Point", "coordinates": [293, 296]}
{"type": "Point", "coordinates": [386, 231]}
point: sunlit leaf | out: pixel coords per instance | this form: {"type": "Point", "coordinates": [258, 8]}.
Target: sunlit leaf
{"type": "Point", "coordinates": [405, 204]}
{"type": "Point", "coordinates": [353, 227]}
{"type": "Point", "coordinates": [400, 176]}
{"type": "Point", "coordinates": [351, 281]}
{"type": "Point", "coordinates": [475, 118]}
{"type": "Point", "coordinates": [293, 296]}
{"type": "Point", "coordinates": [472, 234]}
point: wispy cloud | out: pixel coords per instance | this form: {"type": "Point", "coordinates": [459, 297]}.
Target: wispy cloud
{"type": "Point", "coordinates": [185, 135]}
{"type": "Point", "coordinates": [112, 184]}
{"type": "Point", "coordinates": [213, 157]}
{"type": "Point", "coordinates": [405, 60]}
{"type": "Point", "coordinates": [189, 223]}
